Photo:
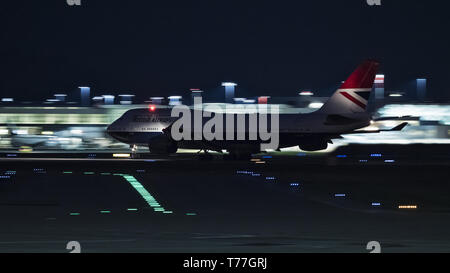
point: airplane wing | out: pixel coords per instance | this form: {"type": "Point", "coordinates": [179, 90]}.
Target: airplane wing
{"type": "Point", "coordinates": [395, 129]}
{"type": "Point", "coordinates": [394, 118]}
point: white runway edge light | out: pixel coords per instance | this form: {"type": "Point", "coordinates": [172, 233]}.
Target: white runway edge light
{"type": "Point", "coordinates": [121, 155]}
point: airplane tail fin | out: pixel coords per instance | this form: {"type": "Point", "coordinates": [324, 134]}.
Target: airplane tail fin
{"type": "Point", "coordinates": [353, 95]}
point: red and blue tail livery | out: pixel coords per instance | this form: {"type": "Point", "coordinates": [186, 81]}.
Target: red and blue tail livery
{"type": "Point", "coordinates": [354, 93]}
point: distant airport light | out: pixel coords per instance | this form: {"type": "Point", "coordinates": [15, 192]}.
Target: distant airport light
{"type": "Point", "coordinates": [421, 88]}
{"type": "Point", "coordinates": [229, 84]}
{"type": "Point", "coordinates": [152, 108]}
{"type": "Point", "coordinates": [76, 132]}
{"type": "Point", "coordinates": [379, 86]}
{"type": "Point", "coordinates": [47, 133]}
{"type": "Point", "coordinates": [7, 100]}
{"type": "Point", "coordinates": [376, 155]}
{"type": "Point", "coordinates": [408, 207]}
{"type": "Point", "coordinates": [306, 93]}
{"type": "Point", "coordinates": [175, 100]}
{"type": "Point", "coordinates": [341, 156]}
{"type": "Point", "coordinates": [315, 105]}
{"type": "Point", "coordinates": [4, 132]}
{"type": "Point", "coordinates": [376, 204]}
{"type": "Point", "coordinates": [229, 91]}
{"type": "Point", "coordinates": [156, 100]}
{"type": "Point", "coordinates": [395, 95]}
{"type": "Point", "coordinates": [122, 155]}
{"type": "Point", "coordinates": [20, 132]}
{"type": "Point", "coordinates": [126, 99]}
{"type": "Point", "coordinates": [109, 99]}
{"type": "Point", "coordinates": [379, 78]}
{"type": "Point", "coordinates": [85, 92]}
{"type": "Point", "coordinates": [241, 100]}
{"type": "Point", "coordinates": [60, 97]}
{"type": "Point", "coordinates": [340, 195]}
{"type": "Point", "coordinates": [263, 99]}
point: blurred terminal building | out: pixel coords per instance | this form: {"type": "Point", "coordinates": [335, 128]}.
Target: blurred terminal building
{"type": "Point", "coordinates": [78, 121]}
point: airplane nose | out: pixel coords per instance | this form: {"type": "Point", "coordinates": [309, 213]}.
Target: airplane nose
{"type": "Point", "coordinates": [109, 129]}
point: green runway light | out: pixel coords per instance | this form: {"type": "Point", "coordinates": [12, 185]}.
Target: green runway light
{"type": "Point", "coordinates": [105, 211]}
{"type": "Point", "coordinates": [105, 173]}
{"type": "Point", "coordinates": [67, 172]}
{"type": "Point", "coordinates": [191, 214]}
{"type": "Point", "coordinates": [132, 209]}
{"type": "Point", "coordinates": [168, 212]}
{"type": "Point", "coordinates": [144, 193]}
{"type": "Point", "coordinates": [89, 173]}
{"type": "Point", "coordinates": [74, 214]}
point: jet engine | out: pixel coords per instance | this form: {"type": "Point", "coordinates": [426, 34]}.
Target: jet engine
{"type": "Point", "coordinates": [314, 145]}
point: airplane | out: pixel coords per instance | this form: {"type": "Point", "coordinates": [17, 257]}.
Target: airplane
{"type": "Point", "coordinates": [344, 113]}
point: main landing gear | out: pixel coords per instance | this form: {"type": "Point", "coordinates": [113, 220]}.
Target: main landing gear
{"type": "Point", "coordinates": [134, 153]}
{"type": "Point", "coordinates": [206, 156]}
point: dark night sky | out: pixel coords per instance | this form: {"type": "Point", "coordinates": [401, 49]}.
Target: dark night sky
{"type": "Point", "coordinates": [268, 47]}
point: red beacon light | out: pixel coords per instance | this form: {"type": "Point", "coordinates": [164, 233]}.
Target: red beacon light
{"type": "Point", "coordinates": [152, 108]}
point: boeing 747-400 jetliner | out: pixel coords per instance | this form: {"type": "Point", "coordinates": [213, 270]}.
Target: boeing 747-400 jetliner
{"type": "Point", "coordinates": [344, 113]}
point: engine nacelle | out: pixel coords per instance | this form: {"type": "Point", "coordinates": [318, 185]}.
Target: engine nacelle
{"type": "Point", "coordinates": [314, 145]}
{"type": "Point", "coordinates": [162, 145]}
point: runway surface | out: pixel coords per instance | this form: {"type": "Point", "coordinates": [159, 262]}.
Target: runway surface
{"type": "Point", "coordinates": [271, 204]}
